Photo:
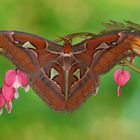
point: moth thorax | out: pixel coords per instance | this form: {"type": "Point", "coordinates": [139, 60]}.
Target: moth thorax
{"type": "Point", "coordinates": [67, 62]}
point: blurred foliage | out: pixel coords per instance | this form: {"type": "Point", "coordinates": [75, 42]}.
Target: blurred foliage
{"type": "Point", "coordinates": [104, 117]}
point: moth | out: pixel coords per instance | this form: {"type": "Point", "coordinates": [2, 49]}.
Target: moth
{"type": "Point", "coordinates": [65, 75]}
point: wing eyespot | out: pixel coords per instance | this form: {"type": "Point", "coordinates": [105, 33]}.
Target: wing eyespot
{"type": "Point", "coordinates": [28, 45]}
{"type": "Point", "coordinates": [77, 73]}
{"type": "Point", "coordinates": [53, 73]}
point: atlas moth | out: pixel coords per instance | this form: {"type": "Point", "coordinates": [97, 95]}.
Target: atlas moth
{"type": "Point", "coordinates": [65, 75]}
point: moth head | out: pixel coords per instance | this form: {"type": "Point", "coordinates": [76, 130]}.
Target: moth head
{"type": "Point", "coordinates": [67, 47]}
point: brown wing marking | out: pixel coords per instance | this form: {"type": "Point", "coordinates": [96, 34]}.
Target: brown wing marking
{"type": "Point", "coordinates": [19, 57]}
{"type": "Point", "coordinates": [49, 92]}
{"type": "Point", "coordinates": [38, 42]}
{"type": "Point", "coordinates": [88, 83]}
{"type": "Point", "coordinates": [108, 59]}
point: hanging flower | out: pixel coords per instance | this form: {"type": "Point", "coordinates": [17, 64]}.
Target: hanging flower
{"type": "Point", "coordinates": [16, 79]}
{"type": "Point", "coordinates": [8, 94]}
{"type": "Point", "coordinates": [12, 81]}
{"type": "Point", "coordinates": [121, 77]}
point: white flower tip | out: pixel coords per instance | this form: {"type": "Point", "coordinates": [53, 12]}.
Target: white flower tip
{"type": "Point", "coordinates": [16, 95]}
{"type": "Point", "coordinates": [1, 111]}
{"type": "Point", "coordinates": [27, 88]}
{"type": "Point", "coordinates": [9, 107]}
{"type": "Point", "coordinates": [16, 84]}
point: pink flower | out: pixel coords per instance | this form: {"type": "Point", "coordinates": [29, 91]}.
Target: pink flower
{"type": "Point", "coordinates": [2, 101]}
{"type": "Point", "coordinates": [13, 80]}
{"type": "Point", "coordinates": [121, 78]}
{"type": "Point", "coordinates": [16, 79]}
{"type": "Point", "coordinates": [8, 94]}
{"type": "Point", "coordinates": [132, 58]}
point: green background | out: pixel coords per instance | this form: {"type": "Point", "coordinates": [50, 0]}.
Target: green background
{"type": "Point", "coordinates": [104, 117]}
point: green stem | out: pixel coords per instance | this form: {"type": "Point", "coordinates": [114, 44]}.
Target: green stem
{"type": "Point", "coordinates": [130, 65]}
